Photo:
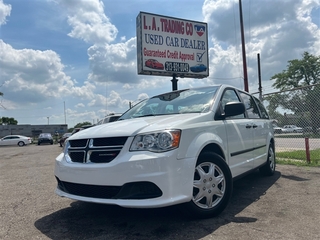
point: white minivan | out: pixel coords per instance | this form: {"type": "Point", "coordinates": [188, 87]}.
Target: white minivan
{"type": "Point", "coordinates": [183, 147]}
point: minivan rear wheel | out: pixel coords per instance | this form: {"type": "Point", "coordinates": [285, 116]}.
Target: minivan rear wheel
{"type": "Point", "coordinates": [269, 167]}
{"type": "Point", "coordinates": [212, 186]}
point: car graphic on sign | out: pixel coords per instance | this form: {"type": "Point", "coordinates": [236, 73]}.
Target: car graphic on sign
{"type": "Point", "coordinates": [152, 63]}
{"type": "Point", "coordinates": [198, 68]}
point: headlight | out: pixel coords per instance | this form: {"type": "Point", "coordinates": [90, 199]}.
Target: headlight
{"type": "Point", "coordinates": [156, 141]}
{"type": "Point", "coordinates": [65, 150]}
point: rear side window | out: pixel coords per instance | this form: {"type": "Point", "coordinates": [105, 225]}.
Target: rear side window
{"type": "Point", "coordinates": [263, 111]}
{"type": "Point", "coordinates": [250, 105]}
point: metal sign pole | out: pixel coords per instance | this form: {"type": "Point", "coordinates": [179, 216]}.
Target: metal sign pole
{"type": "Point", "coordinates": [174, 81]}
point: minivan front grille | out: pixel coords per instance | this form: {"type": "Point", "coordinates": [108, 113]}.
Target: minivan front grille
{"type": "Point", "coordinates": [95, 150]}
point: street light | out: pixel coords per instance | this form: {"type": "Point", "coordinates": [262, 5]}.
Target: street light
{"type": "Point", "coordinates": [48, 120]}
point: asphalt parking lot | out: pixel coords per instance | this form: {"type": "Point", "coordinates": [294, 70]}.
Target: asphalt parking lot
{"type": "Point", "coordinates": [284, 206]}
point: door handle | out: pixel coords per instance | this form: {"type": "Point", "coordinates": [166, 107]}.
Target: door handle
{"type": "Point", "coordinates": [248, 126]}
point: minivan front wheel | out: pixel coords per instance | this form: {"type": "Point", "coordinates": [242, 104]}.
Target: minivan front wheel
{"type": "Point", "coordinates": [212, 186]}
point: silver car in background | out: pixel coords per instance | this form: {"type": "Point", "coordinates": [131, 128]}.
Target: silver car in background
{"type": "Point", "coordinates": [15, 140]}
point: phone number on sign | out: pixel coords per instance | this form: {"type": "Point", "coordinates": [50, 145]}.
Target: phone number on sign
{"type": "Point", "coordinates": [177, 67]}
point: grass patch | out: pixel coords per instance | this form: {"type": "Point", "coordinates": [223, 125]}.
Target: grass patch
{"type": "Point", "coordinates": [299, 158]}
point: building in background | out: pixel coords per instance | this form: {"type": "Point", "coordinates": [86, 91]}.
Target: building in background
{"type": "Point", "coordinates": [32, 130]}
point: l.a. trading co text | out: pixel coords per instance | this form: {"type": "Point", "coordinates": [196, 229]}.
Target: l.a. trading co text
{"type": "Point", "coordinates": [175, 27]}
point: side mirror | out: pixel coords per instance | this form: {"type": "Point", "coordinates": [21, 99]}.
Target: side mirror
{"type": "Point", "coordinates": [233, 109]}
{"type": "Point", "coordinates": [230, 109]}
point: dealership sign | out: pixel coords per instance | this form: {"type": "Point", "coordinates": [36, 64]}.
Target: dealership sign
{"type": "Point", "coordinates": [171, 47]}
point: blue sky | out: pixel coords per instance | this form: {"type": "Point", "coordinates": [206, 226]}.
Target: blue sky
{"type": "Point", "coordinates": [79, 56]}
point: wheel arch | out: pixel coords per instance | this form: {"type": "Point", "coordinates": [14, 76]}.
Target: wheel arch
{"type": "Point", "coordinates": [204, 142]}
{"type": "Point", "coordinates": [213, 147]}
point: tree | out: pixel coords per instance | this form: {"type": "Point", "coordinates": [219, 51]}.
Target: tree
{"type": "Point", "coordinates": [79, 125]}
{"type": "Point", "coordinates": [8, 121]}
{"type": "Point", "coordinates": [303, 76]}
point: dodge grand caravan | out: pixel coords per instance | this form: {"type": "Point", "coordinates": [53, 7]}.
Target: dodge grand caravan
{"type": "Point", "coordinates": [183, 147]}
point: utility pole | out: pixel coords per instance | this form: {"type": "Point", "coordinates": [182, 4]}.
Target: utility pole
{"type": "Point", "coordinates": [259, 77]}
{"type": "Point", "coordinates": [65, 116]}
{"type": "Point", "coordinates": [244, 60]}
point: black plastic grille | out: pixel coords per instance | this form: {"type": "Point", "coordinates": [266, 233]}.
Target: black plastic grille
{"type": "Point", "coordinates": [84, 190]}
{"type": "Point", "coordinates": [78, 157]}
{"type": "Point", "coordinates": [95, 150]}
{"type": "Point", "coordinates": [133, 190]}
{"type": "Point", "coordinates": [115, 141]}
{"type": "Point", "coordinates": [78, 143]}
{"type": "Point", "coordinates": [103, 156]}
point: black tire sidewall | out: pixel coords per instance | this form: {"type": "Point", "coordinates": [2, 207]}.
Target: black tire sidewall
{"type": "Point", "coordinates": [266, 170]}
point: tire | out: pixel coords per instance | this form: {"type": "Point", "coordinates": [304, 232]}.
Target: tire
{"type": "Point", "coordinates": [269, 167]}
{"type": "Point", "coordinates": [21, 144]}
{"type": "Point", "coordinates": [212, 187]}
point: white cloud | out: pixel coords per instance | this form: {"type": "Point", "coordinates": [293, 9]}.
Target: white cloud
{"type": "Point", "coordinates": [114, 62]}
{"type": "Point", "coordinates": [88, 21]}
{"type": "Point", "coordinates": [5, 10]}
{"type": "Point", "coordinates": [30, 73]}
{"type": "Point", "coordinates": [79, 105]}
{"type": "Point", "coordinates": [278, 30]}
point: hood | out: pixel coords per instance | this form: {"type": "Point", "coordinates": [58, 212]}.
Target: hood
{"type": "Point", "coordinates": [131, 127]}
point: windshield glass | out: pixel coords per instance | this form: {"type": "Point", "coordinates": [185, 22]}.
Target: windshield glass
{"type": "Point", "coordinates": [178, 102]}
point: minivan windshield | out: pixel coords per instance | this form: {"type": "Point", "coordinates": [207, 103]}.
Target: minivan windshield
{"type": "Point", "coordinates": [197, 100]}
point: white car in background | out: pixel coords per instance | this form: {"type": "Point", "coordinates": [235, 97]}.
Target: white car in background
{"type": "Point", "coordinates": [278, 130]}
{"type": "Point", "coordinates": [182, 147]}
{"type": "Point", "coordinates": [292, 129]}
{"type": "Point", "coordinates": [18, 140]}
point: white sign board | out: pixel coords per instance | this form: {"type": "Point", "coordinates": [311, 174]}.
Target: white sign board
{"type": "Point", "coordinates": [171, 47]}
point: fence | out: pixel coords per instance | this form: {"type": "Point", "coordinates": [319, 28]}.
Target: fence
{"type": "Point", "coordinates": [299, 107]}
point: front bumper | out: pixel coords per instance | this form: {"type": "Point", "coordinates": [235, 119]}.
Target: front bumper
{"type": "Point", "coordinates": [133, 179]}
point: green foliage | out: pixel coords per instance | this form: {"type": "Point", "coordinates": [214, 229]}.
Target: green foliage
{"type": "Point", "coordinates": [299, 73]}
{"type": "Point", "coordinates": [304, 77]}
{"type": "Point", "coordinates": [8, 121]}
{"type": "Point", "coordinates": [78, 125]}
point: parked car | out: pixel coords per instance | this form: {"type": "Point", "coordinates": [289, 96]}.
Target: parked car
{"type": "Point", "coordinates": [15, 140]}
{"type": "Point", "coordinates": [278, 129]}
{"type": "Point", "coordinates": [181, 147]}
{"type": "Point", "coordinates": [198, 68]}
{"type": "Point", "coordinates": [293, 129]}
{"type": "Point", "coordinates": [109, 118]}
{"type": "Point", "coordinates": [152, 63]}
{"type": "Point", "coordinates": [45, 138]}
{"type": "Point", "coordinates": [63, 139]}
